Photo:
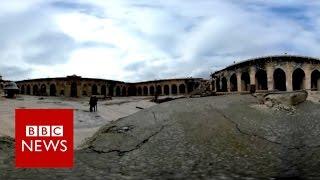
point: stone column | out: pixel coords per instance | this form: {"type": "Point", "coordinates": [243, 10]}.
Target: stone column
{"type": "Point", "coordinates": [99, 89]}
{"type": "Point", "coordinates": [107, 90]}
{"type": "Point", "coordinates": [31, 89]}
{"type": "Point", "coordinates": [228, 85]}
{"type": "Point", "coordinates": [48, 90]}
{"type": "Point", "coordinates": [307, 72]}
{"type": "Point", "coordinates": [238, 74]}
{"type": "Point", "coordinates": [79, 89]}
{"type": "Point", "coordinates": [252, 73]}
{"type": "Point", "coordinates": [162, 90]}
{"type": "Point", "coordinates": [270, 70]}
{"type": "Point", "coordinates": [289, 71]}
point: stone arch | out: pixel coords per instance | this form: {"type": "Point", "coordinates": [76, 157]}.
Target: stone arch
{"type": "Point", "coordinates": [224, 87]}
{"type": "Point", "coordinates": [110, 90]}
{"type": "Point", "coordinates": [218, 87]}
{"type": "Point", "coordinates": [279, 80]}
{"type": "Point", "coordinates": [139, 91]}
{"type": "Point", "coordinates": [35, 90]}
{"type": "Point", "coordinates": [315, 80]}
{"type": "Point", "coordinates": [245, 81]}
{"type": "Point", "coordinates": [159, 90]}
{"type": "Point", "coordinates": [298, 79]}
{"type": "Point", "coordinates": [151, 90]}
{"type": "Point", "coordinates": [22, 89]}
{"type": "Point", "coordinates": [174, 89]}
{"type": "Point", "coordinates": [182, 89]}
{"type": "Point", "coordinates": [94, 89]}
{"type": "Point", "coordinates": [103, 90]}
{"type": "Point", "coordinates": [28, 89]}
{"type": "Point", "coordinates": [132, 91]}
{"type": "Point", "coordinates": [53, 90]}
{"type": "Point", "coordinates": [124, 91]}
{"type": "Point", "coordinates": [190, 86]}
{"type": "Point", "coordinates": [43, 90]}
{"type": "Point", "coordinates": [74, 89]}
{"type": "Point", "coordinates": [166, 89]}
{"type": "Point", "coordinates": [261, 80]}
{"type": "Point", "coordinates": [233, 82]}
{"type": "Point", "coordinates": [118, 91]}
{"type": "Point", "coordinates": [145, 91]}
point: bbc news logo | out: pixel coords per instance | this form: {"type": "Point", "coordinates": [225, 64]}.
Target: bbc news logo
{"type": "Point", "coordinates": [44, 138]}
{"type": "Point", "coordinates": [43, 145]}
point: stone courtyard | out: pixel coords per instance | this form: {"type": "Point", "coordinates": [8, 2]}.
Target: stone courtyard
{"type": "Point", "coordinates": [222, 137]}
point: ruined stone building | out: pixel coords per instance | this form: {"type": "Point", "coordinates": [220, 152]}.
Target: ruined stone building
{"type": "Point", "coordinates": [76, 86]}
{"type": "Point", "coordinates": [282, 73]}
{"type": "Point", "coordinates": [2, 84]}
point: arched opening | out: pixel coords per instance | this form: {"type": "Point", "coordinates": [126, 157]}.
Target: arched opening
{"type": "Point", "coordinates": [159, 90]}
{"type": "Point", "coordinates": [279, 80]}
{"type": "Point", "coordinates": [35, 90]}
{"type": "Point", "coordinates": [218, 84]}
{"type": "Point", "coordinates": [110, 90]}
{"type": "Point", "coordinates": [22, 89]}
{"type": "Point", "coordinates": [84, 93]}
{"type": "Point", "coordinates": [298, 79]}
{"type": "Point", "coordinates": [53, 90]}
{"type": "Point", "coordinates": [124, 91]}
{"type": "Point", "coordinates": [28, 89]}
{"type": "Point", "coordinates": [182, 89]}
{"type": "Point", "coordinates": [151, 90]}
{"type": "Point", "coordinates": [43, 90]}
{"type": "Point", "coordinates": [166, 89]}
{"type": "Point", "coordinates": [213, 84]}
{"type": "Point", "coordinates": [74, 89]}
{"type": "Point", "coordinates": [245, 81]}
{"type": "Point", "coordinates": [174, 89]}
{"type": "Point", "coordinates": [103, 90]}
{"type": "Point", "coordinates": [139, 91]}
{"type": "Point", "coordinates": [315, 80]}
{"type": "Point", "coordinates": [118, 91]}
{"type": "Point", "coordinates": [145, 91]}
{"type": "Point", "coordinates": [132, 91]}
{"type": "Point", "coordinates": [190, 86]}
{"type": "Point", "coordinates": [261, 80]}
{"type": "Point", "coordinates": [94, 90]}
{"type": "Point", "coordinates": [233, 83]}
{"type": "Point", "coordinates": [224, 87]}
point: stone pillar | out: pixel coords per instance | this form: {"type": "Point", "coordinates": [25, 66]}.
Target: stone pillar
{"type": "Point", "coordinates": [79, 89]}
{"type": "Point", "coordinates": [238, 74]}
{"type": "Point", "coordinates": [270, 70]}
{"type": "Point", "coordinates": [307, 72]}
{"type": "Point", "coordinates": [228, 85]}
{"type": "Point", "coordinates": [48, 90]}
{"type": "Point", "coordinates": [99, 89]}
{"type": "Point", "coordinates": [289, 71]}
{"type": "Point", "coordinates": [31, 89]}
{"type": "Point", "coordinates": [107, 90]}
{"type": "Point", "coordinates": [252, 73]}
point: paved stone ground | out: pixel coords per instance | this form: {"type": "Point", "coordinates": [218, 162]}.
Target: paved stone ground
{"type": "Point", "coordinates": [224, 137]}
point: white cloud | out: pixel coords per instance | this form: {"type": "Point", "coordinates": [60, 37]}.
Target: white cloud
{"type": "Point", "coordinates": [144, 40]}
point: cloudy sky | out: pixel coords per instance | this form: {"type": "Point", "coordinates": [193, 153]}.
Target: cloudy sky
{"type": "Point", "coordinates": [136, 40]}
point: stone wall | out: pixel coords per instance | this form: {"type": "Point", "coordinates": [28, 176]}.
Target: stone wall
{"type": "Point", "coordinates": [283, 73]}
{"type": "Point", "coordinates": [75, 86]}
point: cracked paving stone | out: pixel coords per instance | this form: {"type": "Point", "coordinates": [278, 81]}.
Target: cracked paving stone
{"type": "Point", "coordinates": [222, 137]}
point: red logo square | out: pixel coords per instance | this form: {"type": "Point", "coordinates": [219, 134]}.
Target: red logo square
{"type": "Point", "coordinates": [44, 138]}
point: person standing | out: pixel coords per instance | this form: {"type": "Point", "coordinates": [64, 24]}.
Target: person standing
{"type": "Point", "coordinates": [95, 104]}
{"type": "Point", "coordinates": [91, 103]}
